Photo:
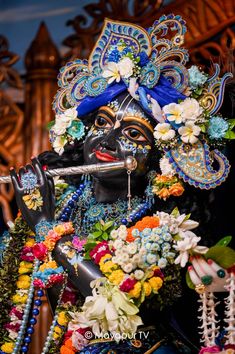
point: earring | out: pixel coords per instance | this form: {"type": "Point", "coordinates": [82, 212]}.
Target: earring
{"type": "Point", "coordinates": [129, 189]}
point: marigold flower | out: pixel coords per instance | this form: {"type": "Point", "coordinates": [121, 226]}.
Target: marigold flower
{"type": "Point", "coordinates": [116, 277]}
{"type": "Point", "coordinates": [108, 267]}
{"type": "Point", "coordinates": [147, 288]}
{"type": "Point", "coordinates": [65, 350]}
{"type": "Point", "coordinates": [23, 284]}
{"type": "Point", "coordinates": [8, 347]}
{"type": "Point", "coordinates": [50, 264]}
{"type": "Point", "coordinates": [163, 178]}
{"type": "Point", "coordinates": [135, 292]}
{"type": "Point", "coordinates": [30, 242]}
{"type": "Point", "coordinates": [17, 299]}
{"type": "Point", "coordinates": [57, 332]}
{"type": "Point", "coordinates": [156, 283]}
{"type": "Point", "coordinates": [176, 189]}
{"type": "Point", "coordinates": [105, 258]}
{"type": "Point", "coordinates": [62, 319]}
{"type": "Point", "coordinates": [25, 267]}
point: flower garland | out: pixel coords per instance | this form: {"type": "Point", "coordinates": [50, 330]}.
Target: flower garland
{"type": "Point", "coordinates": [16, 292]}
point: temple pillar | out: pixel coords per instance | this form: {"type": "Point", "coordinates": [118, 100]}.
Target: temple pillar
{"type": "Point", "coordinates": [42, 62]}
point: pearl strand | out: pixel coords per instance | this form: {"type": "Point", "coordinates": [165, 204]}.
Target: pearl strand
{"type": "Point", "coordinates": [51, 330]}
{"type": "Point", "coordinates": [23, 325]}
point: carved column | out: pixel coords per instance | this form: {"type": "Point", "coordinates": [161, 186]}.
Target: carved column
{"type": "Point", "coordinates": [42, 63]}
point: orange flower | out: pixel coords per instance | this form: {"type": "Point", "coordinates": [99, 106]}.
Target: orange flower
{"type": "Point", "coordinates": [176, 190]}
{"type": "Point", "coordinates": [163, 179]}
{"type": "Point", "coordinates": [147, 221]}
{"type": "Point", "coordinates": [163, 193]}
{"type": "Point", "coordinates": [68, 343]}
{"type": "Point", "coordinates": [65, 350]}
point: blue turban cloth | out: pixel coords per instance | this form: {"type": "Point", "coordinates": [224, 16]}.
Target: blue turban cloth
{"type": "Point", "coordinates": [163, 93]}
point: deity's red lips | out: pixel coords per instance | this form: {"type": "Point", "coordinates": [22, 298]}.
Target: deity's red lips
{"type": "Point", "coordinates": [104, 156]}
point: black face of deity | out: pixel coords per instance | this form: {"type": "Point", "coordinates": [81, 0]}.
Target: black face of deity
{"type": "Point", "coordinates": [120, 129]}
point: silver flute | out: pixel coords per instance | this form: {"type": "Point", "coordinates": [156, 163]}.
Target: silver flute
{"type": "Point", "coordinates": [129, 164]}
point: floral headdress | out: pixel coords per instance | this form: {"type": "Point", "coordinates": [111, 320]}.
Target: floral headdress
{"type": "Point", "coordinates": [150, 65]}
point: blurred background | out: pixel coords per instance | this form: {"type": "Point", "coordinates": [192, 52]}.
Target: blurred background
{"type": "Point", "coordinates": [38, 37]}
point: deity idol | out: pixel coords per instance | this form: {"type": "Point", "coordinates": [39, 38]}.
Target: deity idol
{"type": "Point", "coordinates": [109, 258]}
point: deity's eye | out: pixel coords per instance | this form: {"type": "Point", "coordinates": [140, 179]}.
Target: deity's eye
{"type": "Point", "coordinates": [103, 122]}
{"type": "Point", "coordinates": [135, 133]}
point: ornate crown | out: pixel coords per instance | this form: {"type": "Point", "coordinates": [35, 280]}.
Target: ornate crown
{"type": "Point", "coordinates": [150, 65]}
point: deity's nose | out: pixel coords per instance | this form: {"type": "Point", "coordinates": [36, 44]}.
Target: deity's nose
{"type": "Point", "coordinates": [109, 142]}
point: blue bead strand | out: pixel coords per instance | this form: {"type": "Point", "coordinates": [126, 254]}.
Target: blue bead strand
{"type": "Point", "coordinates": [25, 318]}
{"type": "Point", "coordinates": [32, 321]}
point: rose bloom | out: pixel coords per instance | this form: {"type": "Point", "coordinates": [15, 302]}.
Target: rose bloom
{"type": "Point", "coordinates": [176, 189]}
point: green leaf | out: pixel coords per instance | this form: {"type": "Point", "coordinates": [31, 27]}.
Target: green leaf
{"type": "Point", "coordinates": [98, 226]}
{"type": "Point", "coordinates": [107, 225]}
{"type": "Point", "coordinates": [203, 128]}
{"type": "Point", "coordinates": [229, 135]}
{"type": "Point", "coordinates": [97, 234]}
{"type": "Point", "coordinates": [50, 124]}
{"type": "Point", "coordinates": [89, 246]}
{"type": "Point", "coordinates": [189, 281]}
{"type": "Point", "coordinates": [231, 123]}
{"type": "Point", "coordinates": [105, 236]}
{"type": "Point", "coordinates": [175, 212]}
{"type": "Point", "coordinates": [224, 256]}
{"type": "Point", "coordinates": [224, 241]}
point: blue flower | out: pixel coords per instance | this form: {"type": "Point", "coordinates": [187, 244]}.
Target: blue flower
{"type": "Point", "coordinates": [217, 128]}
{"type": "Point", "coordinates": [114, 56]}
{"type": "Point", "coordinates": [76, 129]}
{"type": "Point", "coordinates": [196, 78]}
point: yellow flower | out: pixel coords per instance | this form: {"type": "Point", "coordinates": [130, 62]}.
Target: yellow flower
{"type": "Point", "coordinates": [104, 258]}
{"type": "Point", "coordinates": [30, 242]}
{"type": "Point", "coordinates": [33, 200]}
{"type": "Point", "coordinates": [50, 264]}
{"type": "Point", "coordinates": [135, 292]}
{"type": "Point", "coordinates": [62, 319]}
{"type": "Point", "coordinates": [25, 267]}
{"type": "Point", "coordinates": [116, 277]}
{"type": "Point", "coordinates": [57, 332]}
{"type": "Point", "coordinates": [108, 267]}
{"type": "Point", "coordinates": [156, 283]}
{"type": "Point", "coordinates": [147, 288]}
{"type": "Point", "coordinates": [17, 299]}
{"type": "Point", "coordinates": [23, 282]}
{"type": "Point", "coordinates": [8, 347]}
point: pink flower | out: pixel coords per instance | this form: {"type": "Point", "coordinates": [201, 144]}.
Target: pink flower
{"type": "Point", "coordinates": [216, 349]}
{"type": "Point", "coordinates": [40, 251]}
{"type": "Point", "coordinates": [27, 255]}
{"type": "Point", "coordinates": [55, 279]}
{"type": "Point", "coordinates": [69, 296]}
{"type": "Point", "coordinates": [77, 243]}
{"type": "Point", "coordinates": [38, 283]}
{"type": "Point", "coordinates": [16, 313]}
{"type": "Point", "coordinates": [158, 273]}
{"type": "Point", "coordinates": [67, 335]}
{"type": "Point", "coordinates": [13, 327]}
{"type": "Point", "coordinates": [127, 285]}
{"type": "Point", "coordinates": [100, 250]}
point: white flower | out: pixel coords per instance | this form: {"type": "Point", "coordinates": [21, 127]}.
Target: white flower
{"type": "Point", "coordinates": [139, 274]}
{"type": "Point", "coordinates": [187, 244]}
{"type": "Point", "coordinates": [118, 244]}
{"type": "Point", "coordinates": [122, 234]}
{"type": "Point", "coordinates": [122, 228]}
{"type": "Point", "coordinates": [64, 120]}
{"type": "Point", "coordinates": [166, 167]}
{"type": "Point", "coordinates": [151, 258]}
{"type": "Point", "coordinates": [162, 263]}
{"type": "Point", "coordinates": [111, 71]}
{"type": "Point", "coordinates": [126, 67]}
{"type": "Point", "coordinates": [114, 234]}
{"type": "Point", "coordinates": [189, 133]}
{"type": "Point", "coordinates": [124, 257]}
{"type": "Point", "coordinates": [173, 112]}
{"type": "Point", "coordinates": [132, 248]}
{"type": "Point", "coordinates": [191, 109]}
{"type": "Point", "coordinates": [107, 310]}
{"type": "Point", "coordinates": [127, 267]}
{"type": "Point", "coordinates": [59, 143]}
{"type": "Point", "coordinates": [163, 131]}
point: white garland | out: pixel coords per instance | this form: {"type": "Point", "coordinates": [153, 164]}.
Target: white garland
{"type": "Point", "coordinates": [230, 309]}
